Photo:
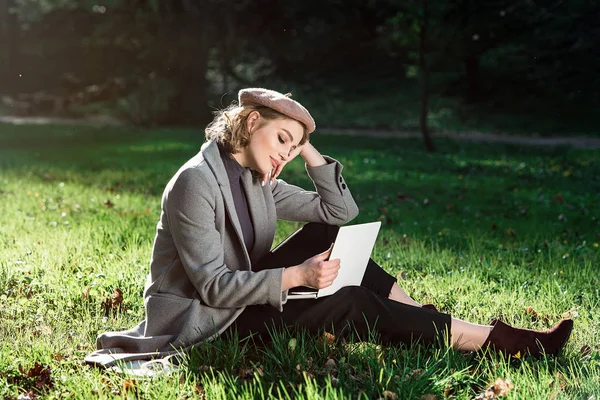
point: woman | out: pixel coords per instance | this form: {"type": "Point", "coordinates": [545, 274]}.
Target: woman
{"type": "Point", "coordinates": [212, 272]}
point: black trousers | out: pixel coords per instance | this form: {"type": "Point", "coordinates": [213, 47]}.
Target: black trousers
{"type": "Point", "coordinates": [360, 312]}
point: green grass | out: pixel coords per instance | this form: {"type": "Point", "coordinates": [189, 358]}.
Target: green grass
{"type": "Point", "coordinates": [479, 230]}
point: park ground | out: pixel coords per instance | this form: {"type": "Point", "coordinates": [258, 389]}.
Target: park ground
{"type": "Point", "coordinates": [483, 230]}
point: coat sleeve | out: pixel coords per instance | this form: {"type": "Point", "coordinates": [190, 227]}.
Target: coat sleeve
{"type": "Point", "coordinates": [190, 208]}
{"type": "Point", "coordinates": [331, 203]}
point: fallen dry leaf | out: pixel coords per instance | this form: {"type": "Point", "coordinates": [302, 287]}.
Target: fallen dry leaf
{"type": "Point", "coordinates": [389, 395]}
{"type": "Point", "coordinates": [26, 396]}
{"type": "Point", "coordinates": [562, 381]}
{"type": "Point", "coordinates": [129, 385]}
{"type": "Point", "coordinates": [534, 315]}
{"type": "Point", "coordinates": [559, 198]}
{"type": "Point", "coordinates": [117, 298]}
{"type": "Point", "coordinates": [429, 396]}
{"type": "Point", "coordinates": [328, 338]}
{"type": "Point", "coordinates": [42, 330]}
{"type": "Point", "coordinates": [585, 350]}
{"type": "Point", "coordinates": [500, 388]}
{"type": "Point", "coordinates": [416, 373]}
{"type": "Point", "coordinates": [330, 364]}
{"type": "Point", "coordinates": [448, 390]}
{"type": "Point", "coordinates": [572, 313]}
{"type": "Point", "coordinates": [199, 390]}
{"type": "Point", "coordinates": [41, 374]}
{"type": "Point", "coordinates": [113, 303]}
{"type": "Point", "coordinates": [245, 373]}
{"type": "Point", "coordinates": [511, 232]}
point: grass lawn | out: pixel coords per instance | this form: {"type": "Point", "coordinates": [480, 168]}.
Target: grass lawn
{"type": "Point", "coordinates": [481, 231]}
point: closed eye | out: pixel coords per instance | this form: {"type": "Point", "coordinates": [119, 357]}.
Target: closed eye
{"type": "Point", "coordinates": [280, 139]}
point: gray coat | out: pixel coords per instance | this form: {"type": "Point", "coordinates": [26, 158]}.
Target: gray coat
{"type": "Point", "coordinates": [200, 278]}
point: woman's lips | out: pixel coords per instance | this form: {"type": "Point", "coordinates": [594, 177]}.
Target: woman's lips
{"type": "Point", "coordinates": [274, 162]}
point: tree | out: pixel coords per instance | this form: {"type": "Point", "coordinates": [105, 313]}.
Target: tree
{"type": "Point", "coordinates": [424, 75]}
{"type": "Point", "coordinates": [9, 45]}
{"type": "Point", "coordinates": [409, 31]}
{"type": "Point", "coordinates": [501, 26]}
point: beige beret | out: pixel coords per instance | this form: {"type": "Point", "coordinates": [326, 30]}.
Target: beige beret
{"type": "Point", "coordinates": [278, 102]}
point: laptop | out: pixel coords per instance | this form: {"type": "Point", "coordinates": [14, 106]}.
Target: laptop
{"type": "Point", "coordinates": [353, 246]}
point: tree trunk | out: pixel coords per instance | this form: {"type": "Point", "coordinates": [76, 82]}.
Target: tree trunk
{"type": "Point", "coordinates": [228, 44]}
{"type": "Point", "coordinates": [8, 48]}
{"type": "Point", "coordinates": [191, 99]}
{"type": "Point", "coordinates": [189, 104]}
{"type": "Point", "coordinates": [4, 39]}
{"type": "Point", "coordinates": [424, 69]}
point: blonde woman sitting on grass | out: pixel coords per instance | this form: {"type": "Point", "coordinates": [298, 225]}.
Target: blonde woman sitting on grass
{"type": "Point", "coordinates": [212, 272]}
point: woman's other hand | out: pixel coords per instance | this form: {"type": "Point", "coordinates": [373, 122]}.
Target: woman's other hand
{"type": "Point", "coordinates": [317, 272]}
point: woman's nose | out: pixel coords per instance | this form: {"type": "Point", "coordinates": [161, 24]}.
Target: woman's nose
{"type": "Point", "coordinates": [284, 155]}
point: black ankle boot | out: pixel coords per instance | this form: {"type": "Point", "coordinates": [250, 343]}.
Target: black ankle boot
{"type": "Point", "coordinates": [508, 340]}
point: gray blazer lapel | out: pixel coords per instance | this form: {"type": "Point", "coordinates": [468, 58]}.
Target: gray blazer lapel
{"type": "Point", "coordinates": [213, 159]}
{"type": "Point", "coordinates": [261, 220]}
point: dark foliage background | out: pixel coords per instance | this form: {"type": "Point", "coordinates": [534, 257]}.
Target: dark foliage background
{"type": "Point", "coordinates": [373, 64]}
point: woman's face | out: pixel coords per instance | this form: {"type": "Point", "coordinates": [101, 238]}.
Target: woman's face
{"type": "Point", "coordinates": [271, 141]}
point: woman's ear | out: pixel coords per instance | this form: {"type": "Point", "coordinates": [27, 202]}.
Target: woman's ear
{"type": "Point", "coordinates": [252, 121]}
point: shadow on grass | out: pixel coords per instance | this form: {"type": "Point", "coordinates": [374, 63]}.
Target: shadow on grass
{"type": "Point", "coordinates": [465, 190]}
{"type": "Point", "coordinates": [294, 360]}
{"type": "Point", "coordinates": [465, 187]}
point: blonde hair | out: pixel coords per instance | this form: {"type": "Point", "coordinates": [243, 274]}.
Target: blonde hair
{"type": "Point", "coordinates": [228, 127]}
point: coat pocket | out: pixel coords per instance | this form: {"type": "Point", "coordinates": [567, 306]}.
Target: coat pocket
{"type": "Point", "coordinates": [166, 314]}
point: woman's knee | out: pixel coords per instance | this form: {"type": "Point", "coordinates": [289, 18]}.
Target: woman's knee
{"type": "Point", "coordinates": [354, 301]}
{"type": "Point", "coordinates": [351, 292]}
